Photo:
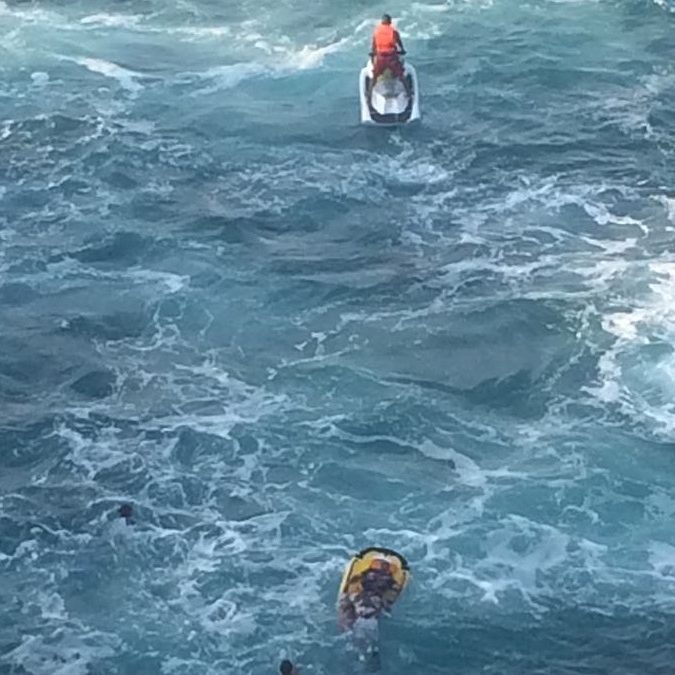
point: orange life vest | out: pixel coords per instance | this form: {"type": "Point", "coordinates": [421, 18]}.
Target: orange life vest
{"type": "Point", "coordinates": [385, 38]}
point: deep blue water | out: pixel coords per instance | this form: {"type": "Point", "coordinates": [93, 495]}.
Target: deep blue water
{"type": "Point", "coordinates": [283, 337]}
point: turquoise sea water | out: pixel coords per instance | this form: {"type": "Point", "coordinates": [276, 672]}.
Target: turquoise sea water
{"type": "Point", "coordinates": [283, 337]}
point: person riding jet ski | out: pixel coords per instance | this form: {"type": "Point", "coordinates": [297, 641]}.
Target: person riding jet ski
{"type": "Point", "coordinates": [371, 584]}
{"type": "Point", "coordinates": [376, 593]}
{"type": "Point", "coordinates": [386, 49]}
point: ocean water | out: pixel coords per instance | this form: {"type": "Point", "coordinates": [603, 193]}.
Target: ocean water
{"type": "Point", "coordinates": [283, 337]}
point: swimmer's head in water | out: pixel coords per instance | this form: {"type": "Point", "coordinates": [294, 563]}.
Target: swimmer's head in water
{"type": "Point", "coordinates": [287, 668]}
{"type": "Point", "coordinates": [125, 511]}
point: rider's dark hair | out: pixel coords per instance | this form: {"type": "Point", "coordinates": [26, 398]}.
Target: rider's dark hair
{"type": "Point", "coordinates": [386, 18]}
{"type": "Point", "coordinates": [286, 667]}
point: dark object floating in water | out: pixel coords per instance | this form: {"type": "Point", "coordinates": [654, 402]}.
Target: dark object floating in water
{"type": "Point", "coordinates": [287, 668]}
{"type": "Point", "coordinates": [96, 384]}
{"type": "Point", "coordinates": [126, 511]}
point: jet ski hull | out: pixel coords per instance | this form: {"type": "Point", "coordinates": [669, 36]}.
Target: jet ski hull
{"type": "Point", "coordinates": [389, 105]}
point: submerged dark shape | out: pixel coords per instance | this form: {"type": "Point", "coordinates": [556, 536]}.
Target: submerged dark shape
{"type": "Point", "coordinates": [95, 384]}
{"type": "Point", "coordinates": [126, 511]}
{"type": "Point", "coordinates": [287, 668]}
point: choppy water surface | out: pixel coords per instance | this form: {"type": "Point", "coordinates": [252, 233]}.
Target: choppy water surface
{"type": "Point", "coordinates": [283, 337]}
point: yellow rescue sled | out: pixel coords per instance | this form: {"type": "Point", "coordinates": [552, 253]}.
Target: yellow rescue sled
{"type": "Point", "coordinates": [370, 558]}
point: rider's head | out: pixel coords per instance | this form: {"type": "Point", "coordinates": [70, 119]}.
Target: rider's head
{"type": "Point", "coordinates": [380, 564]}
{"type": "Point", "coordinates": [386, 19]}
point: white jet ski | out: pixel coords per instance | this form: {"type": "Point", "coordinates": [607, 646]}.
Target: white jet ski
{"type": "Point", "coordinates": [389, 105]}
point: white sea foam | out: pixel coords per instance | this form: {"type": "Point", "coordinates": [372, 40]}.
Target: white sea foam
{"type": "Point", "coordinates": [309, 56]}
{"type": "Point", "coordinates": [662, 559]}
{"type": "Point", "coordinates": [669, 205]}
{"type": "Point", "coordinates": [39, 78]}
{"type": "Point", "coordinates": [169, 281]}
{"type": "Point", "coordinates": [91, 457]}
{"type": "Point", "coordinates": [282, 59]}
{"type": "Point", "coordinates": [128, 21]}
{"type": "Point", "coordinates": [68, 652]}
{"type": "Point", "coordinates": [468, 471]}
{"type": "Point", "coordinates": [647, 395]}
{"type": "Point", "coordinates": [226, 77]}
{"type": "Point", "coordinates": [517, 554]}
{"type": "Point", "coordinates": [201, 32]}
{"type": "Point", "coordinates": [31, 14]}
{"type": "Point", "coordinates": [425, 7]}
{"type": "Point", "coordinates": [126, 78]}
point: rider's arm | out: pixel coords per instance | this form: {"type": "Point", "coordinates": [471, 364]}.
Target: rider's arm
{"type": "Point", "coordinates": [390, 596]}
{"type": "Point", "coordinates": [401, 48]}
{"type": "Point", "coordinates": [346, 614]}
